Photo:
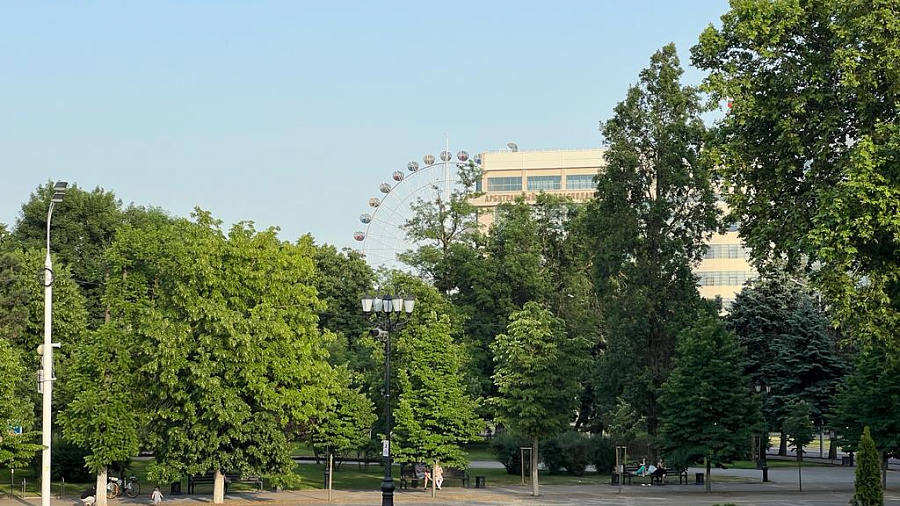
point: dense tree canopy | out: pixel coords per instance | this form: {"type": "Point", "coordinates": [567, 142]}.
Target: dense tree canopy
{"type": "Point", "coordinates": [707, 411]}
{"type": "Point", "coordinates": [808, 150]}
{"type": "Point", "coordinates": [537, 376]}
{"type": "Point", "coordinates": [790, 347]}
{"type": "Point", "coordinates": [229, 343]}
{"type": "Point", "coordinates": [654, 208]}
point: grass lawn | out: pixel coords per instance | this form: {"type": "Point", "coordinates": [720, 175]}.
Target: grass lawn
{"type": "Point", "coordinates": [772, 463]}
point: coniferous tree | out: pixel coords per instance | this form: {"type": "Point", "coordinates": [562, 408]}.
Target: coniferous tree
{"type": "Point", "coordinates": [790, 348]}
{"type": "Point", "coordinates": [867, 489]}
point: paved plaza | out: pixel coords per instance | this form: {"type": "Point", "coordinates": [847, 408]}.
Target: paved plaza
{"type": "Point", "coordinates": [822, 486]}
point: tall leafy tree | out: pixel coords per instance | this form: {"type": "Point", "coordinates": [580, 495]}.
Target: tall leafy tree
{"type": "Point", "coordinates": [438, 226]}
{"type": "Point", "coordinates": [654, 208]}
{"type": "Point", "coordinates": [706, 410]}
{"type": "Point", "coordinates": [435, 414]}
{"type": "Point", "coordinates": [230, 353]}
{"type": "Point", "coordinates": [808, 150]}
{"type": "Point", "coordinates": [537, 377]}
{"type": "Point", "coordinates": [869, 400]}
{"type": "Point", "coordinates": [102, 416]}
{"type": "Point", "coordinates": [341, 278]}
{"type": "Point", "coordinates": [84, 224]}
{"type": "Point", "coordinates": [790, 347]}
{"type": "Point", "coordinates": [867, 489]}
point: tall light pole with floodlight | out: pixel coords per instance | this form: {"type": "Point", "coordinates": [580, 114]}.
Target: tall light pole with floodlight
{"type": "Point", "coordinates": [390, 313]}
{"type": "Point", "coordinates": [46, 351]}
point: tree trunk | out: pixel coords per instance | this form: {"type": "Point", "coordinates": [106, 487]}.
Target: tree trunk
{"type": "Point", "coordinates": [800, 466]}
{"type": "Point", "coordinates": [219, 488]}
{"type": "Point", "coordinates": [101, 487]}
{"type": "Point", "coordinates": [707, 485]}
{"type": "Point", "coordinates": [535, 490]}
{"type": "Point", "coordinates": [884, 464]}
{"type": "Point", "coordinates": [782, 447]}
{"type": "Point", "coordinates": [832, 448]}
{"type": "Point", "coordinates": [433, 483]}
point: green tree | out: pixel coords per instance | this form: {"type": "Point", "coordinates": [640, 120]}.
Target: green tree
{"type": "Point", "coordinates": [790, 348]}
{"type": "Point", "coordinates": [654, 208]}
{"type": "Point", "coordinates": [537, 377]}
{"type": "Point", "coordinates": [230, 353]}
{"type": "Point", "coordinates": [84, 224]}
{"type": "Point", "coordinates": [799, 430]}
{"type": "Point", "coordinates": [341, 279]}
{"type": "Point", "coordinates": [867, 489]}
{"type": "Point", "coordinates": [102, 416]}
{"type": "Point", "coordinates": [808, 151]}
{"type": "Point", "coordinates": [347, 423]}
{"type": "Point", "coordinates": [435, 415]}
{"type": "Point", "coordinates": [869, 400]}
{"type": "Point", "coordinates": [16, 410]}
{"type": "Point", "coordinates": [706, 410]}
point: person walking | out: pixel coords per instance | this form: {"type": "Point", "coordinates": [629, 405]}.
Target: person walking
{"type": "Point", "coordinates": [156, 496]}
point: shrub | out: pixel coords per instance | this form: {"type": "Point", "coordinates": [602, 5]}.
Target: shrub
{"type": "Point", "coordinates": [603, 454]}
{"type": "Point", "coordinates": [552, 455]}
{"type": "Point", "coordinates": [576, 451]}
{"type": "Point", "coordinates": [67, 461]}
{"type": "Point", "coordinates": [507, 449]}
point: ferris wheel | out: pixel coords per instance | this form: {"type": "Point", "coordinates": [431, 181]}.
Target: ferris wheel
{"type": "Point", "coordinates": [384, 237]}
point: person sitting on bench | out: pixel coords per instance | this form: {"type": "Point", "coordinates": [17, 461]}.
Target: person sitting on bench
{"type": "Point", "coordinates": [658, 472]}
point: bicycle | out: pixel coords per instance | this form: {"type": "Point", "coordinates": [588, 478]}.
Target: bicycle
{"type": "Point", "coordinates": [116, 486]}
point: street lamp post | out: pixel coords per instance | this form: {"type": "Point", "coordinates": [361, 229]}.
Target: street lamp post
{"type": "Point", "coordinates": [46, 352]}
{"type": "Point", "coordinates": [763, 441]}
{"type": "Point", "coordinates": [390, 314]}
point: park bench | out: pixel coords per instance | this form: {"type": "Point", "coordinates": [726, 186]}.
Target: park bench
{"type": "Point", "coordinates": [457, 474]}
{"type": "Point", "coordinates": [627, 473]}
{"type": "Point", "coordinates": [411, 474]}
{"type": "Point", "coordinates": [198, 479]}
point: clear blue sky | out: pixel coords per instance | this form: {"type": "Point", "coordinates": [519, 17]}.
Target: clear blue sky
{"type": "Point", "coordinates": [292, 113]}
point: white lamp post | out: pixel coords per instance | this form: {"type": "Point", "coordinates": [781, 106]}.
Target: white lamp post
{"type": "Point", "coordinates": [46, 350]}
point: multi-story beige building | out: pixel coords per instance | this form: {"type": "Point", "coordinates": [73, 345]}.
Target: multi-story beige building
{"type": "Point", "coordinates": [570, 173]}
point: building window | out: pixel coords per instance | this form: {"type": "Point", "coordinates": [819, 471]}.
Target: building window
{"type": "Point", "coordinates": [580, 182]}
{"type": "Point", "coordinates": [538, 183]}
{"type": "Point", "coordinates": [478, 185]}
{"type": "Point", "coordinates": [714, 251]}
{"type": "Point", "coordinates": [725, 278]}
{"type": "Point", "coordinates": [504, 184]}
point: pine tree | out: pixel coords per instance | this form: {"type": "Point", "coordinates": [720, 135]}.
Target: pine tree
{"type": "Point", "coordinates": [867, 489]}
